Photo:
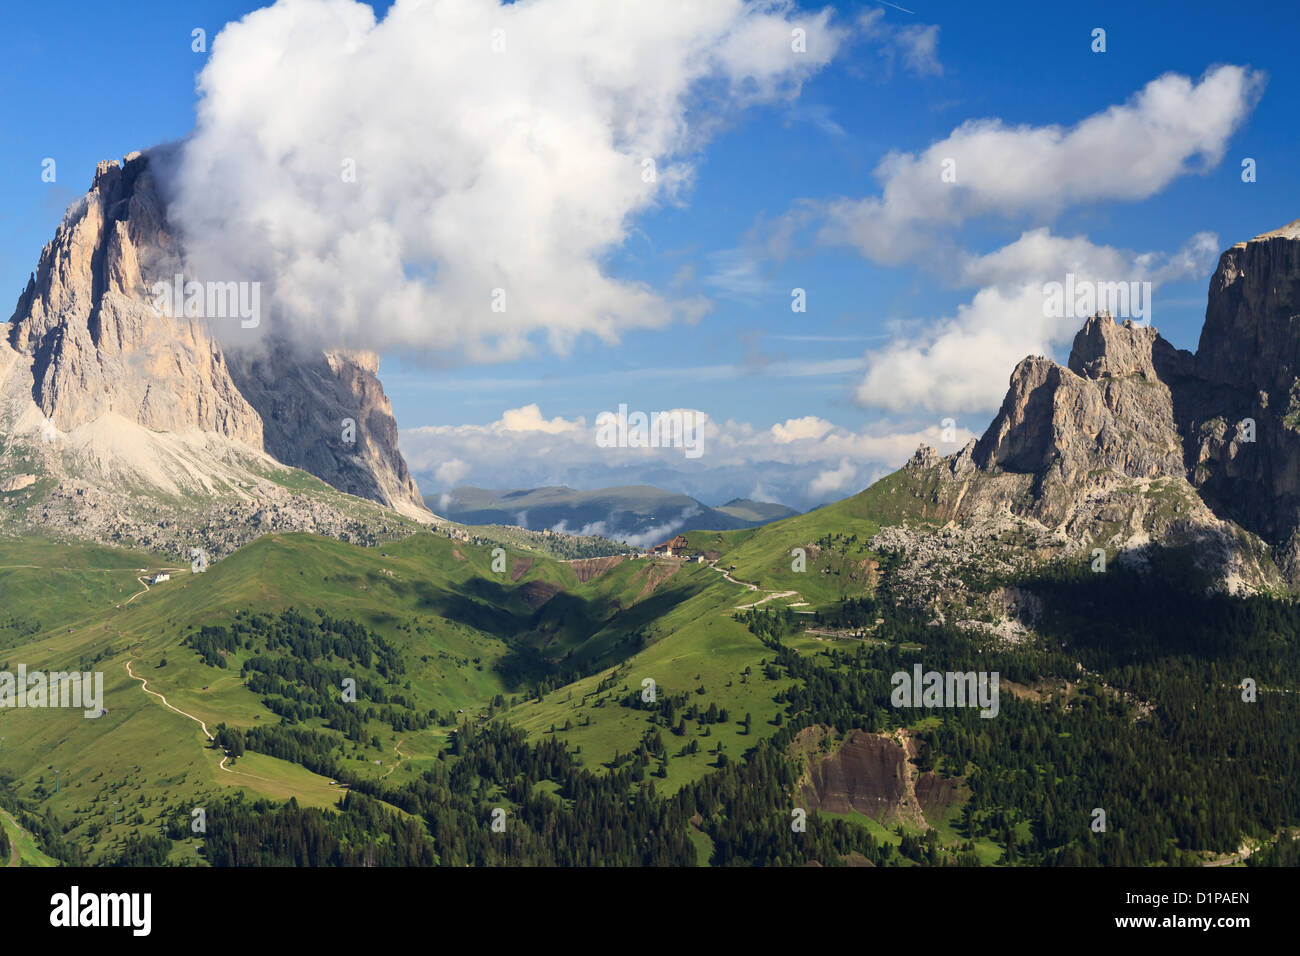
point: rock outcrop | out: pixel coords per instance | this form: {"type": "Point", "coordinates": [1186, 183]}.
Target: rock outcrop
{"type": "Point", "coordinates": [1109, 411]}
{"type": "Point", "coordinates": [95, 343]}
{"type": "Point", "coordinates": [330, 416]}
{"type": "Point", "coordinates": [109, 388]}
{"type": "Point", "coordinates": [1242, 424]}
{"type": "Point", "coordinates": [1136, 444]}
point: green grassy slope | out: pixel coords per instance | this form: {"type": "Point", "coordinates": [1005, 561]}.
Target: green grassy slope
{"type": "Point", "coordinates": [563, 650]}
{"type": "Point", "coordinates": [452, 617]}
{"type": "Point", "coordinates": [838, 562]}
{"type": "Point", "coordinates": [47, 586]}
{"type": "Point", "coordinates": [29, 854]}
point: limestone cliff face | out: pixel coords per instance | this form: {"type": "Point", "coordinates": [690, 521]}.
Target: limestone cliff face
{"type": "Point", "coordinates": [304, 406]}
{"type": "Point", "coordinates": [1132, 424]}
{"type": "Point", "coordinates": [1248, 369]}
{"type": "Point", "coordinates": [99, 354]}
{"type": "Point", "coordinates": [1251, 336]}
{"type": "Point", "coordinates": [96, 344]}
{"type": "Point", "coordinates": [1109, 411]}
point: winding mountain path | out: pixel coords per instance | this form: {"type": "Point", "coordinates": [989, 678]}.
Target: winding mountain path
{"type": "Point", "coordinates": [727, 574]}
{"type": "Point", "coordinates": [13, 844]}
{"type": "Point", "coordinates": [146, 586]}
{"type": "Point", "coordinates": [754, 587]}
{"type": "Point", "coordinates": [144, 686]}
{"type": "Point", "coordinates": [1243, 853]}
{"type": "Point", "coordinates": [400, 755]}
{"type": "Point", "coordinates": [773, 595]}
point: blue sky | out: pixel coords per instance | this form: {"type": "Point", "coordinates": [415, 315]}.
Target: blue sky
{"type": "Point", "coordinates": [83, 83]}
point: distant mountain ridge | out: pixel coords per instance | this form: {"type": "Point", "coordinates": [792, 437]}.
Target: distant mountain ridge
{"type": "Point", "coordinates": [639, 514]}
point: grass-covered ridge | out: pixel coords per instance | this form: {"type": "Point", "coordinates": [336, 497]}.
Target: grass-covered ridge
{"type": "Point", "coordinates": [686, 709]}
{"type": "Point", "coordinates": [469, 639]}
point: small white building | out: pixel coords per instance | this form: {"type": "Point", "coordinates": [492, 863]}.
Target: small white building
{"type": "Point", "coordinates": [160, 577]}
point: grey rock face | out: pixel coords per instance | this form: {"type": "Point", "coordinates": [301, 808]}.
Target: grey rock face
{"type": "Point", "coordinates": [1248, 359]}
{"type": "Point", "coordinates": [1110, 411]}
{"type": "Point", "coordinates": [1176, 446]}
{"type": "Point", "coordinates": [102, 358]}
{"type": "Point", "coordinates": [95, 342]}
{"type": "Point", "coordinates": [304, 405]}
{"type": "Point", "coordinates": [1251, 337]}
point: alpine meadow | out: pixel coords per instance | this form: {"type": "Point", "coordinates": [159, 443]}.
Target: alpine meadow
{"type": "Point", "coordinates": [574, 434]}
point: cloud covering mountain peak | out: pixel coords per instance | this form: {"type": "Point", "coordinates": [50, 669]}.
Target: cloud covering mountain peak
{"type": "Point", "coordinates": [468, 212]}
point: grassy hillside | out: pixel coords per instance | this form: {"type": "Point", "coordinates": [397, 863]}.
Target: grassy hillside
{"type": "Point", "coordinates": [630, 710]}
{"type": "Point", "coordinates": [756, 512]}
{"type": "Point", "coordinates": [703, 653]}
{"type": "Point", "coordinates": [471, 637]}
{"type": "Point", "coordinates": [837, 561]}
{"type": "Point", "coordinates": [48, 585]}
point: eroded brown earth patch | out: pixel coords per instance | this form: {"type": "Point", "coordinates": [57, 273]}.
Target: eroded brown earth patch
{"type": "Point", "coordinates": [871, 774]}
{"type": "Point", "coordinates": [590, 568]}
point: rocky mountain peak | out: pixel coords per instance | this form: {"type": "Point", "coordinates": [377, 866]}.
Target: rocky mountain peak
{"type": "Point", "coordinates": [328, 414]}
{"type": "Point", "coordinates": [93, 357]}
{"type": "Point", "coordinates": [95, 344]}
{"type": "Point", "coordinates": [923, 457]}
{"type": "Point", "coordinates": [1290, 231]}
{"type": "Point", "coordinates": [1111, 410]}
{"type": "Point", "coordinates": [1251, 335]}
{"type": "Point", "coordinates": [1105, 349]}
{"type": "Point", "coordinates": [1132, 425]}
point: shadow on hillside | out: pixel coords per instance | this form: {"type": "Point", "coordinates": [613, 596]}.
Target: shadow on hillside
{"type": "Point", "coordinates": [573, 636]}
{"type": "Point", "coordinates": [1125, 616]}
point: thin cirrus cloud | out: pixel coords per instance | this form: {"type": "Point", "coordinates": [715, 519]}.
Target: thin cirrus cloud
{"type": "Point", "coordinates": [915, 45]}
{"type": "Point", "coordinates": [819, 369]}
{"type": "Point", "coordinates": [512, 158]}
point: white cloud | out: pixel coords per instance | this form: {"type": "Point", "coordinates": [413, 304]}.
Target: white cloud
{"type": "Point", "coordinates": [738, 275]}
{"type": "Point", "coordinates": [963, 362]}
{"type": "Point", "coordinates": [475, 170]}
{"type": "Point", "coordinates": [449, 473]}
{"type": "Point", "coordinates": [1171, 127]}
{"type": "Point", "coordinates": [920, 45]}
{"type": "Point", "coordinates": [652, 536]}
{"type": "Point", "coordinates": [796, 428]}
{"type": "Point", "coordinates": [590, 529]}
{"type": "Point", "coordinates": [648, 538]}
{"type": "Point", "coordinates": [797, 462]}
{"type": "Point", "coordinates": [529, 419]}
{"type": "Point", "coordinates": [836, 479]}
{"type": "Point", "coordinates": [916, 44]}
